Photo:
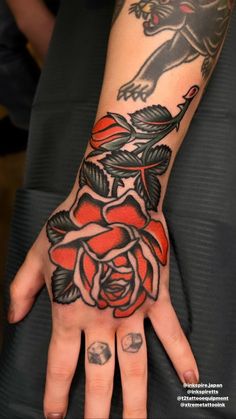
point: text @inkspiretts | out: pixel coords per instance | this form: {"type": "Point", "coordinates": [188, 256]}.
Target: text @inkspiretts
{"type": "Point", "coordinates": [207, 395]}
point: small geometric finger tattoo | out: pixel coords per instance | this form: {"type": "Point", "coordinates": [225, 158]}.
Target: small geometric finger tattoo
{"type": "Point", "coordinates": [132, 342]}
{"type": "Point", "coordinates": [99, 353]}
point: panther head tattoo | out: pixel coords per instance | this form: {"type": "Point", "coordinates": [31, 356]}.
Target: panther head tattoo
{"type": "Point", "coordinates": [199, 27]}
{"type": "Point", "coordinates": [160, 15]}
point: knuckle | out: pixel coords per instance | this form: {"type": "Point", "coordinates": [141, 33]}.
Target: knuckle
{"type": "Point", "coordinates": [66, 333]}
{"type": "Point", "coordinates": [165, 296]}
{"type": "Point", "coordinates": [161, 305]}
{"type": "Point", "coordinates": [136, 412]}
{"type": "Point", "coordinates": [176, 337]}
{"type": "Point", "coordinates": [59, 374]}
{"type": "Point", "coordinates": [135, 370]}
{"type": "Point", "coordinates": [164, 301]}
{"type": "Point", "coordinates": [98, 386]}
{"type": "Point", "coordinates": [65, 320]}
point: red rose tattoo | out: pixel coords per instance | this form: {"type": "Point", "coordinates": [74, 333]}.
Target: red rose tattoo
{"type": "Point", "coordinates": [109, 247]}
{"type": "Point", "coordinates": [113, 252]}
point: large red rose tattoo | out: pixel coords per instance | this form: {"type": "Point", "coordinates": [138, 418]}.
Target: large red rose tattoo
{"type": "Point", "coordinates": [113, 253]}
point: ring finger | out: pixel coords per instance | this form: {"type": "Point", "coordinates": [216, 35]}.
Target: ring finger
{"type": "Point", "coordinates": [132, 355]}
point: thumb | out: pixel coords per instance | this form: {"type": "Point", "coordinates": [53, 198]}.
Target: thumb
{"type": "Point", "coordinates": [23, 289]}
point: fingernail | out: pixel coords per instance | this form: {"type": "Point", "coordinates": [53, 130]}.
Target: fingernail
{"type": "Point", "coordinates": [190, 377]}
{"type": "Point", "coordinates": [55, 416]}
{"type": "Point", "coordinates": [11, 315]}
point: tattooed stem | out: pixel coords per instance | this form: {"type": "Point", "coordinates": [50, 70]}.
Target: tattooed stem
{"type": "Point", "coordinates": [169, 125]}
{"type": "Point", "coordinates": [154, 140]}
{"type": "Point", "coordinates": [146, 147]}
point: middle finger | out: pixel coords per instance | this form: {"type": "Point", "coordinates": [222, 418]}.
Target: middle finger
{"type": "Point", "coordinates": [99, 367]}
{"type": "Point", "coordinates": [62, 361]}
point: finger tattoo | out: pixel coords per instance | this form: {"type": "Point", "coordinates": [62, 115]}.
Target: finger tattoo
{"type": "Point", "coordinates": [132, 342]}
{"type": "Point", "coordinates": [99, 353]}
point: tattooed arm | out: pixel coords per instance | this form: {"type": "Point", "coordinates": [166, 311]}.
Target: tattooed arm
{"type": "Point", "coordinates": [104, 253]}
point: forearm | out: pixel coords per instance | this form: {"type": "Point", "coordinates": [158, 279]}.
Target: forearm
{"type": "Point", "coordinates": [163, 69]}
{"type": "Point", "coordinates": [36, 21]}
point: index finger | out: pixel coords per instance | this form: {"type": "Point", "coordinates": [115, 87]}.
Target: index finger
{"type": "Point", "coordinates": [62, 362]}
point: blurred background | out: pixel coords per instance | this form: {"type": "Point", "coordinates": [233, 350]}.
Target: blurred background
{"type": "Point", "coordinates": [26, 29]}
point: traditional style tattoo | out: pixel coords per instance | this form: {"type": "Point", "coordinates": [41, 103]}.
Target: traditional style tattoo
{"type": "Point", "coordinates": [109, 247]}
{"type": "Point", "coordinates": [98, 353]}
{"type": "Point", "coordinates": [132, 342]}
{"type": "Point", "coordinates": [199, 27]}
{"type": "Point", "coordinates": [118, 7]}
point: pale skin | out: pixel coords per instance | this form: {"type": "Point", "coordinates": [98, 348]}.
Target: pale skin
{"type": "Point", "coordinates": [127, 45]}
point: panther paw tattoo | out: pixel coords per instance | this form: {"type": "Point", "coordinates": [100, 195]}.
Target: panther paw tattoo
{"type": "Point", "coordinates": [137, 89]}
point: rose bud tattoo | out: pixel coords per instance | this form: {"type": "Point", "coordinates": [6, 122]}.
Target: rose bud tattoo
{"type": "Point", "coordinates": [109, 247]}
{"type": "Point", "coordinates": [111, 132]}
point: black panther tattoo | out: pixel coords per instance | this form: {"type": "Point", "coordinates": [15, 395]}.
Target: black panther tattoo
{"type": "Point", "coordinates": [199, 27]}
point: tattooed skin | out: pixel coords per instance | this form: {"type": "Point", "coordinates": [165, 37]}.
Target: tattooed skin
{"type": "Point", "coordinates": [199, 27]}
{"type": "Point", "coordinates": [118, 7]}
{"type": "Point", "coordinates": [109, 247]}
{"type": "Point", "coordinates": [132, 342]}
{"type": "Point", "coordinates": [98, 353]}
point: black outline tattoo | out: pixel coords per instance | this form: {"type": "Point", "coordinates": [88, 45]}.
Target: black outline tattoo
{"type": "Point", "coordinates": [98, 353]}
{"type": "Point", "coordinates": [199, 28]}
{"type": "Point", "coordinates": [109, 248]}
{"type": "Point", "coordinates": [118, 7]}
{"type": "Point", "coordinates": [132, 342]}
